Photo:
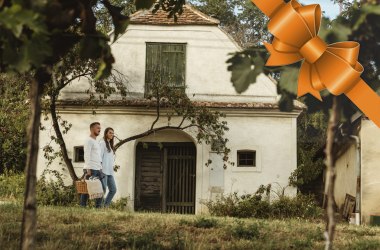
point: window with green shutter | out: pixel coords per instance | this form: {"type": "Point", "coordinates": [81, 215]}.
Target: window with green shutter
{"type": "Point", "coordinates": [165, 63]}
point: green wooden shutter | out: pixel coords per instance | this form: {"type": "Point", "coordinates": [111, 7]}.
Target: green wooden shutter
{"type": "Point", "coordinates": [166, 61]}
{"type": "Point", "coordinates": [173, 64]}
{"type": "Point", "coordinates": [153, 64]}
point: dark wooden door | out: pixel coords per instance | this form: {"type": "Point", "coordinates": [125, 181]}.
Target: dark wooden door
{"type": "Point", "coordinates": [148, 195]}
{"type": "Point", "coordinates": [165, 177]}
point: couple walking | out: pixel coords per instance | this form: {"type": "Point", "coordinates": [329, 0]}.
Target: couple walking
{"type": "Point", "coordinates": [99, 159]}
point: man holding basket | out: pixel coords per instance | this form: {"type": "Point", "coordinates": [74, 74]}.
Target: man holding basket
{"type": "Point", "coordinates": [92, 162]}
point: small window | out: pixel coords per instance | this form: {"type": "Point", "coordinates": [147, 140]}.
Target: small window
{"type": "Point", "coordinates": [246, 158]}
{"type": "Point", "coordinates": [79, 154]}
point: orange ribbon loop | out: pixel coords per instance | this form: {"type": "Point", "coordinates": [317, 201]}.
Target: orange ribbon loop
{"type": "Point", "coordinates": [313, 49]}
{"type": "Point", "coordinates": [333, 67]}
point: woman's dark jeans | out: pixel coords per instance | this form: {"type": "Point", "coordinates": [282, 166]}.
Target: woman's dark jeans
{"type": "Point", "coordinates": [109, 181]}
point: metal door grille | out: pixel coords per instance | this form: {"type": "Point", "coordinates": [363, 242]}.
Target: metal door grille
{"type": "Point", "coordinates": [180, 179]}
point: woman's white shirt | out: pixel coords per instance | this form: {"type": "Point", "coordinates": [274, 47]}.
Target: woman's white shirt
{"type": "Point", "coordinates": [108, 158]}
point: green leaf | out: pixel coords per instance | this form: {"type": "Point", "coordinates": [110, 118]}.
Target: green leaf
{"type": "Point", "coordinates": [245, 70]}
{"type": "Point", "coordinates": [286, 102]}
{"type": "Point", "coordinates": [144, 4]}
{"type": "Point", "coordinates": [104, 70]}
{"type": "Point", "coordinates": [92, 47]}
{"type": "Point", "coordinates": [119, 20]}
{"type": "Point", "coordinates": [14, 18]}
{"type": "Point", "coordinates": [289, 79]}
{"type": "Point", "coordinates": [32, 52]}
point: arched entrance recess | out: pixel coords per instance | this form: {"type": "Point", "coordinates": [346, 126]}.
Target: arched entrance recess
{"type": "Point", "coordinates": [165, 173]}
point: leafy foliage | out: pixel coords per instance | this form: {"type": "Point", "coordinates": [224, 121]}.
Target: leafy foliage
{"type": "Point", "coordinates": [244, 206]}
{"type": "Point", "coordinates": [12, 185]}
{"type": "Point", "coordinates": [50, 188]}
{"type": "Point", "coordinates": [32, 35]}
{"type": "Point", "coordinates": [104, 20]}
{"type": "Point", "coordinates": [258, 206]}
{"type": "Point", "coordinates": [53, 191]}
{"type": "Point", "coordinates": [13, 117]}
{"type": "Point", "coordinates": [242, 70]}
{"type": "Point", "coordinates": [311, 136]}
{"type": "Point", "coordinates": [302, 206]}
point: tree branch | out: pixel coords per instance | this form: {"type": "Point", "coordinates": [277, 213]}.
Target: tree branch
{"type": "Point", "coordinates": [65, 83]}
{"type": "Point", "coordinates": [149, 132]}
{"type": "Point", "coordinates": [61, 141]}
{"type": "Point", "coordinates": [183, 119]}
{"type": "Point", "coordinates": [157, 110]}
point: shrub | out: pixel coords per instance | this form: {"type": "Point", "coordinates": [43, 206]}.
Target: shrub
{"type": "Point", "coordinates": [239, 206]}
{"type": "Point", "coordinates": [254, 205]}
{"type": "Point", "coordinates": [49, 192]}
{"type": "Point", "coordinates": [224, 205]}
{"type": "Point", "coordinates": [301, 206]}
{"type": "Point", "coordinates": [54, 192]}
{"type": "Point", "coordinates": [12, 185]}
{"type": "Point", "coordinates": [244, 206]}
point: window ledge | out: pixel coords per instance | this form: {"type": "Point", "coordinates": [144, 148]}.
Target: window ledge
{"type": "Point", "coordinates": [246, 169]}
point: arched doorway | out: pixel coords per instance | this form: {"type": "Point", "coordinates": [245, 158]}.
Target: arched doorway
{"type": "Point", "coordinates": [165, 176]}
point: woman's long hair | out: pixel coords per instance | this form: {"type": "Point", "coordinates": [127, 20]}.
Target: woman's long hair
{"type": "Point", "coordinates": [110, 144]}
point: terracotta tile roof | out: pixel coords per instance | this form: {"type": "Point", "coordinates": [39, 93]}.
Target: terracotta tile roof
{"type": "Point", "coordinates": [190, 16]}
{"type": "Point", "coordinates": [152, 103]}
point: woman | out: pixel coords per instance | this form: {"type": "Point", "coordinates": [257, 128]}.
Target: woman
{"type": "Point", "coordinates": [108, 159]}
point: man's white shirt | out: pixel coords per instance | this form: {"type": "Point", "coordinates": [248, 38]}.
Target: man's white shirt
{"type": "Point", "coordinates": [92, 158]}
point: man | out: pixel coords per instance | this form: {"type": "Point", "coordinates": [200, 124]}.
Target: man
{"type": "Point", "coordinates": [92, 161]}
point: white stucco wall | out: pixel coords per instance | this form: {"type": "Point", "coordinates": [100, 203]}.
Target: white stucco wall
{"type": "Point", "coordinates": [345, 176]}
{"type": "Point", "coordinates": [370, 170]}
{"type": "Point", "coordinates": [271, 134]}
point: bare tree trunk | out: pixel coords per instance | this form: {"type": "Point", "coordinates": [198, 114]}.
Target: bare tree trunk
{"type": "Point", "coordinates": [29, 220]}
{"type": "Point", "coordinates": [61, 141]}
{"type": "Point", "coordinates": [331, 174]}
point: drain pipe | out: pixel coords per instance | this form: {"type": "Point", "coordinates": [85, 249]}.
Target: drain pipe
{"type": "Point", "coordinates": [358, 182]}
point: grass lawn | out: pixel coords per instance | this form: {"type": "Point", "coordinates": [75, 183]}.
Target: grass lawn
{"type": "Point", "coordinates": [78, 228]}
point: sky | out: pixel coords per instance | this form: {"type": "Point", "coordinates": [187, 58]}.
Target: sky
{"type": "Point", "coordinates": [329, 9]}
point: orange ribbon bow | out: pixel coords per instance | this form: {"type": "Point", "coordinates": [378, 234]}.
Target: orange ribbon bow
{"type": "Point", "coordinates": [333, 67]}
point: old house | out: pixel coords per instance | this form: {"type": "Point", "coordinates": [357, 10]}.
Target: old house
{"type": "Point", "coordinates": [172, 176]}
{"type": "Point", "coordinates": [357, 173]}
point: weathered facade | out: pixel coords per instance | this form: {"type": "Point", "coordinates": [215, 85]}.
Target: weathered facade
{"type": "Point", "coordinates": [172, 177]}
{"type": "Point", "coordinates": [358, 172]}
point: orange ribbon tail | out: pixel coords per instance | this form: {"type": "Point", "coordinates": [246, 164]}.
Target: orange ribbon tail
{"type": "Point", "coordinates": [366, 100]}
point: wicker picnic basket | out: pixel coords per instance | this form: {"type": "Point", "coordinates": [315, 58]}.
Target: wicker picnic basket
{"type": "Point", "coordinates": [81, 187]}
